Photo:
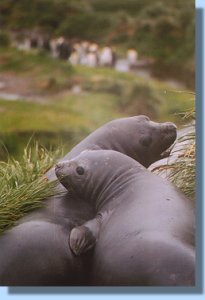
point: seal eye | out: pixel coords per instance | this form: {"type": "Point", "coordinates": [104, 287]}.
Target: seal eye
{"type": "Point", "coordinates": [80, 170]}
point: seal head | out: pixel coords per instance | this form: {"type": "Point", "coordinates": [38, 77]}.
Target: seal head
{"type": "Point", "coordinates": [87, 174]}
{"type": "Point", "coordinates": [137, 137]}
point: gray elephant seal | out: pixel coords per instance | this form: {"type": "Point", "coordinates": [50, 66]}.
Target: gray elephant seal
{"type": "Point", "coordinates": [144, 227]}
{"type": "Point", "coordinates": [138, 137]}
{"type": "Point", "coordinates": [45, 231]}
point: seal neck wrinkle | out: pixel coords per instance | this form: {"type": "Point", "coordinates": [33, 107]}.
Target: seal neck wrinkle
{"type": "Point", "coordinates": [115, 186]}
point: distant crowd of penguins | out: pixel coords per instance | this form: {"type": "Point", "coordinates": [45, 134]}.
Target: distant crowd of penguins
{"type": "Point", "coordinates": [81, 52]}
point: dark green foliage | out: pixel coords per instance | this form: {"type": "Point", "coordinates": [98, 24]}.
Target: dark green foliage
{"type": "Point", "coordinates": [46, 14]}
{"type": "Point", "coordinates": [4, 40]}
{"type": "Point", "coordinates": [129, 6]}
{"type": "Point", "coordinates": [85, 26]}
{"type": "Point", "coordinates": [165, 30]}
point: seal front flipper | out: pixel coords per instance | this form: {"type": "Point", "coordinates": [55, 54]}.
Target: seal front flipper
{"type": "Point", "coordinates": [81, 240]}
{"type": "Point", "coordinates": [84, 237]}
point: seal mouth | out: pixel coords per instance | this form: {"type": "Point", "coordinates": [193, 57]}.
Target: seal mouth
{"type": "Point", "coordinates": [63, 178]}
{"type": "Point", "coordinates": [170, 138]}
{"type": "Point", "coordinates": [169, 134]}
{"type": "Point", "coordinates": [59, 171]}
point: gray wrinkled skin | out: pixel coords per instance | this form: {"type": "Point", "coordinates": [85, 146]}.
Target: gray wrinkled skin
{"type": "Point", "coordinates": [32, 247]}
{"type": "Point", "coordinates": [144, 227]}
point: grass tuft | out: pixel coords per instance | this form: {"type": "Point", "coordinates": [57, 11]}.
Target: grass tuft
{"type": "Point", "coordinates": [23, 185]}
{"type": "Point", "coordinates": [182, 172]}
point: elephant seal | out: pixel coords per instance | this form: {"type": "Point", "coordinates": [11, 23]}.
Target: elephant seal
{"type": "Point", "coordinates": [136, 136]}
{"type": "Point", "coordinates": [144, 226]}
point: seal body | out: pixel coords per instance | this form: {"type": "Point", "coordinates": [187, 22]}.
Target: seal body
{"type": "Point", "coordinates": [146, 231]}
{"type": "Point", "coordinates": [138, 137]}
{"type": "Point", "coordinates": [35, 253]}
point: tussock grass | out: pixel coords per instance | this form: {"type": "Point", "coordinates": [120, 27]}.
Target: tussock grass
{"type": "Point", "coordinates": [183, 169]}
{"type": "Point", "coordinates": [23, 185]}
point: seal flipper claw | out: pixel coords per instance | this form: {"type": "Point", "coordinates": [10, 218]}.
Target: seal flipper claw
{"type": "Point", "coordinates": [81, 240]}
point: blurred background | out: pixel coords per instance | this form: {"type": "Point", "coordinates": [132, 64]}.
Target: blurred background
{"type": "Point", "coordinates": [67, 67]}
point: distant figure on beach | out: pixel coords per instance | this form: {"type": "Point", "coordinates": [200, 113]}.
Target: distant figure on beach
{"type": "Point", "coordinates": [74, 58]}
{"type": "Point", "coordinates": [92, 55]}
{"type": "Point", "coordinates": [132, 57]}
{"type": "Point", "coordinates": [107, 57]}
{"type": "Point", "coordinates": [84, 46]}
{"type": "Point", "coordinates": [63, 48]}
{"type": "Point", "coordinates": [60, 48]}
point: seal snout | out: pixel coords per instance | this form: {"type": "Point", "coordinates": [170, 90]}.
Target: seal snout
{"type": "Point", "coordinates": [170, 129]}
{"type": "Point", "coordinates": [169, 134]}
{"type": "Point", "coordinates": [62, 168]}
{"type": "Point", "coordinates": [169, 126]}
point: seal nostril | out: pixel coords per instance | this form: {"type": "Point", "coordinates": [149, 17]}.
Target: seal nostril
{"type": "Point", "coordinates": [58, 165]}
